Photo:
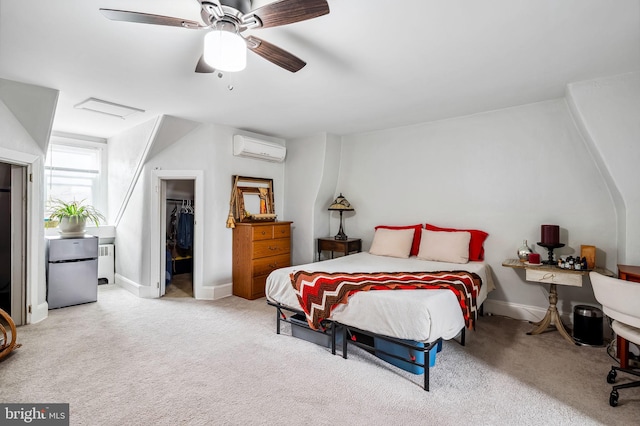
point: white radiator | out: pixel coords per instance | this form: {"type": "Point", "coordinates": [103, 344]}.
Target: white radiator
{"type": "Point", "coordinates": [106, 266]}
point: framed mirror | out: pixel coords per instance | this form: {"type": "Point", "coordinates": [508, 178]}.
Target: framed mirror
{"type": "Point", "coordinates": [253, 199]}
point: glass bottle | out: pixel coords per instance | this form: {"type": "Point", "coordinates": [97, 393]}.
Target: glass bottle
{"type": "Point", "coordinates": [524, 251]}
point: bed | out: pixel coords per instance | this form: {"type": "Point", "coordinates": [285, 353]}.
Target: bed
{"type": "Point", "coordinates": [425, 316]}
{"type": "Point", "coordinates": [420, 315]}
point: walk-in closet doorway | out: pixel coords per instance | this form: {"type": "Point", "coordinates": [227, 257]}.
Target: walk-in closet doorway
{"type": "Point", "coordinates": [177, 238]}
{"type": "Point", "coordinates": [179, 216]}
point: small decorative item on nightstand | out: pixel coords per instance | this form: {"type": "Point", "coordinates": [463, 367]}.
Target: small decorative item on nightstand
{"type": "Point", "coordinates": [589, 254]}
{"type": "Point", "coordinates": [524, 251]}
{"type": "Point", "coordinates": [342, 205]}
{"type": "Point", "coordinates": [550, 239]}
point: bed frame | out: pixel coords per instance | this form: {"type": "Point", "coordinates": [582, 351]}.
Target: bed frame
{"type": "Point", "coordinates": [350, 336]}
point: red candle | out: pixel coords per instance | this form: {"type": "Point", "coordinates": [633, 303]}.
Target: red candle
{"type": "Point", "coordinates": [550, 234]}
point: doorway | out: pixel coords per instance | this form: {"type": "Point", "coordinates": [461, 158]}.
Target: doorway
{"type": "Point", "coordinates": [12, 241]}
{"type": "Point", "coordinates": [179, 197]}
{"type": "Point", "coordinates": [182, 185]}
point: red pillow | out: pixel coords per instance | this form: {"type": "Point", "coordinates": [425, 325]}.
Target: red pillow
{"type": "Point", "coordinates": [417, 233]}
{"type": "Point", "coordinates": [476, 250]}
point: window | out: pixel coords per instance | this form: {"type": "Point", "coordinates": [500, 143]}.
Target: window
{"type": "Point", "coordinates": [75, 170]}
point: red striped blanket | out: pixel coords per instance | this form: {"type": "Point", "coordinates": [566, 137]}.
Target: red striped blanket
{"type": "Point", "coordinates": [320, 292]}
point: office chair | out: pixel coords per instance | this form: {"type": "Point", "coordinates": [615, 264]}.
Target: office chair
{"type": "Point", "coordinates": [620, 301]}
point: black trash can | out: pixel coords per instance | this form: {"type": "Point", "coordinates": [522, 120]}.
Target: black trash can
{"type": "Point", "coordinates": [587, 325]}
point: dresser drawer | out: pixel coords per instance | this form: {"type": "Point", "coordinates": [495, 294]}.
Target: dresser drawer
{"type": "Point", "coordinates": [271, 248]}
{"type": "Point", "coordinates": [262, 232]}
{"type": "Point", "coordinates": [282, 231]}
{"type": "Point", "coordinates": [266, 265]}
{"type": "Point", "coordinates": [554, 277]}
{"type": "Point", "coordinates": [266, 232]}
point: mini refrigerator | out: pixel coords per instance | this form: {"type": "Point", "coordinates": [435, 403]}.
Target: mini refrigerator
{"type": "Point", "coordinates": [72, 271]}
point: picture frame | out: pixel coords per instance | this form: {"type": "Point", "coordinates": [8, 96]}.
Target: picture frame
{"type": "Point", "coordinates": [253, 199]}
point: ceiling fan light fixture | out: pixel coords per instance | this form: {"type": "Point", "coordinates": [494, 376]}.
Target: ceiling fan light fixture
{"type": "Point", "coordinates": [225, 50]}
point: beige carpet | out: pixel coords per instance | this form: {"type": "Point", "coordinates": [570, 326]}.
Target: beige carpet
{"type": "Point", "coordinates": [179, 361]}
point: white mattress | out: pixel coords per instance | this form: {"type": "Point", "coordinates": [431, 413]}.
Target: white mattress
{"type": "Point", "coordinates": [421, 315]}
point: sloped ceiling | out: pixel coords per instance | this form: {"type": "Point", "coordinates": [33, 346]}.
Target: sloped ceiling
{"type": "Point", "coordinates": [372, 64]}
{"type": "Point", "coordinates": [34, 107]}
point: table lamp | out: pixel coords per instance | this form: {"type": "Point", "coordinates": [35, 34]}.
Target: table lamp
{"type": "Point", "coordinates": [342, 205]}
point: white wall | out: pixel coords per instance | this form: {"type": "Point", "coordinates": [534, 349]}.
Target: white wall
{"type": "Point", "coordinates": [125, 153]}
{"type": "Point", "coordinates": [311, 177]}
{"type": "Point", "coordinates": [607, 111]}
{"type": "Point", "coordinates": [505, 172]}
{"type": "Point", "coordinates": [208, 148]}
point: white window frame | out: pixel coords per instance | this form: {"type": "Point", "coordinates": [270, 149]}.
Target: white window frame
{"type": "Point", "coordinates": [100, 195]}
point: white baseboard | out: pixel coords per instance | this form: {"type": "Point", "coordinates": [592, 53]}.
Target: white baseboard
{"type": "Point", "coordinates": [214, 293]}
{"type": "Point", "coordinates": [520, 312]}
{"type": "Point", "coordinates": [205, 293]}
{"type": "Point", "coordinates": [139, 290]}
{"type": "Point", "coordinates": [222, 291]}
{"type": "Point", "coordinates": [39, 312]}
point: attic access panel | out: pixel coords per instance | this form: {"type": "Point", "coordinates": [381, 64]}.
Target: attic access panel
{"type": "Point", "coordinates": [253, 199]}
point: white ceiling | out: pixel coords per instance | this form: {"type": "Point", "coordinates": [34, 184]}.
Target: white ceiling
{"type": "Point", "coordinates": [372, 64]}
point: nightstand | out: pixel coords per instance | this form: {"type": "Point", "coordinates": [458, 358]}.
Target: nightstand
{"type": "Point", "coordinates": [552, 275]}
{"type": "Point", "coordinates": [348, 246]}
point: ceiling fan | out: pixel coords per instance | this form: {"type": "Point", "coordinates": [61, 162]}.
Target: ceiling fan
{"type": "Point", "coordinates": [224, 45]}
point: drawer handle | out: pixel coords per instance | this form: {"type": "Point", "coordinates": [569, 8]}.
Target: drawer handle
{"type": "Point", "coordinates": [547, 276]}
{"type": "Point", "coordinates": [273, 265]}
{"type": "Point", "coordinates": [273, 248]}
{"type": "Point", "coordinates": [264, 233]}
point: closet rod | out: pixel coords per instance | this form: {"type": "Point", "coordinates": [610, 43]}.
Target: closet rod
{"type": "Point", "coordinates": [175, 200]}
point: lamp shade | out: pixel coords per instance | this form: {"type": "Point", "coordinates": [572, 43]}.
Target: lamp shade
{"type": "Point", "coordinates": [341, 203]}
{"type": "Point", "coordinates": [225, 50]}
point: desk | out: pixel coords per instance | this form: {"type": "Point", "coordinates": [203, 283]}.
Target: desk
{"type": "Point", "coordinates": [552, 275]}
{"type": "Point", "coordinates": [341, 246]}
{"type": "Point", "coordinates": [627, 273]}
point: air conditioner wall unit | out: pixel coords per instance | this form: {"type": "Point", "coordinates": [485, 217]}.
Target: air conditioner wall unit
{"type": "Point", "coordinates": [245, 146]}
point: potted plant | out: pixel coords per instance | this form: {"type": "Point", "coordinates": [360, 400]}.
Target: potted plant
{"type": "Point", "coordinates": [72, 216]}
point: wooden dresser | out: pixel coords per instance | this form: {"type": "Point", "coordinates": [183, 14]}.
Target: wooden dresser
{"type": "Point", "coordinates": [258, 249]}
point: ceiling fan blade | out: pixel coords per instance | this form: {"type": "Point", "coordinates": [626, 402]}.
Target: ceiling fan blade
{"type": "Point", "coordinates": [275, 54]}
{"type": "Point", "coordinates": [204, 67]}
{"type": "Point", "coordinates": [146, 18]}
{"type": "Point", "coordinates": [285, 12]}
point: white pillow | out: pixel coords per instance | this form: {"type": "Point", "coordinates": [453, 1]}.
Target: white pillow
{"type": "Point", "coordinates": [444, 246]}
{"type": "Point", "coordinates": [392, 242]}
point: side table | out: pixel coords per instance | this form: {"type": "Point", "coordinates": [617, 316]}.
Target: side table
{"type": "Point", "coordinates": [346, 247]}
{"type": "Point", "coordinates": [553, 276]}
